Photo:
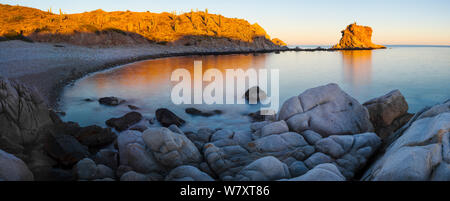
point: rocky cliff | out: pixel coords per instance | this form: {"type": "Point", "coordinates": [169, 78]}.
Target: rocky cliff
{"type": "Point", "coordinates": [357, 37]}
{"type": "Point", "coordinates": [100, 28]}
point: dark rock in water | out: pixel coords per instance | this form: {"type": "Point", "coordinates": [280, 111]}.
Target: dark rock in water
{"type": "Point", "coordinates": [110, 101]}
{"type": "Point", "coordinates": [196, 112]}
{"type": "Point", "coordinates": [88, 100]}
{"type": "Point", "coordinates": [140, 128]}
{"type": "Point", "coordinates": [66, 149]}
{"type": "Point", "coordinates": [168, 118]}
{"type": "Point", "coordinates": [132, 107]}
{"type": "Point", "coordinates": [124, 122]}
{"type": "Point", "coordinates": [95, 136]}
{"type": "Point", "coordinates": [255, 95]}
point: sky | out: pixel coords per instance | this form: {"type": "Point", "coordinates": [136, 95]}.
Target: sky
{"type": "Point", "coordinates": [299, 22]}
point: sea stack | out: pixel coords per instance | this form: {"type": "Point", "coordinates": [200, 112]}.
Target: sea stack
{"type": "Point", "coordinates": [357, 37]}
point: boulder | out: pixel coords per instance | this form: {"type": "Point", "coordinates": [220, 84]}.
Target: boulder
{"type": "Point", "coordinates": [326, 110]}
{"type": "Point", "coordinates": [421, 152]}
{"type": "Point", "coordinates": [124, 122]}
{"type": "Point", "coordinates": [86, 169]}
{"type": "Point", "coordinates": [384, 110]}
{"type": "Point", "coordinates": [274, 128]}
{"type": "Point", "coordinates": [110, 101]}
{"type": "Point", "coordinates": [197, 112]}
{"type": "Point", "coordinates": [264, 169]}
{"type": "Point", "coordinates": [134, 176]}
{"type": "Point", "coordinates": [95, 136]}
{"type": "Point", "coordinates": [13, 169]}
{"type": "Point", "coordinates": [140, 128]}
{"type": "Point", "coordinates": [140, 160]}
{"type": "Point", "coordinates": [188, 173]}
{"type": "Point", "coordinates": [200, 138]}
{"type": "Point", "coordinates": [167, 118]}
{"type": "Point", "coordinates": [322, 172]}
{"type": "Point", "coordinates": [65, 149]}
{"type": "Point", "coordinates": [133, 153]}
{"type": "Point", "coordinates": [171, 149]}
{"type": "Point", "coordinates": [24, 120]}
{"type": "Point", "coordinates": [298, 168]}
{"type": "Point", "coordinates": [388, 113]}
{"type": "Point", "coordinates": [125, 138]}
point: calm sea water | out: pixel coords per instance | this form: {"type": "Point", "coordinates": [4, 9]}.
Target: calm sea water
{"type": "Point", "coordinates": [422, 74]}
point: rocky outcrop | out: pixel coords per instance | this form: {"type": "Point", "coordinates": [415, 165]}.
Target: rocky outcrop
{"type": "Point", "coordinates": [86, 169]}
{"type": "Point", "coordinates": [171, 149]}
{"type": "Point", "coordinates": [388, 113]}
{"type": "Point", "coordinates": [124, 122]}
{"type": "Point", "coordinates": [264, 169]}
{"type": "Point", "coordinates": [326, 110]}
{"type": "Point", "coordinates": [322, 172]}
{"type": "Point", "coordinates": [421, 151]}
{"type": "Point", "coordinates": [357, 37]}
{"type": "Point", "coordinates": [167, 118]}
{"type": "Point", "coordinates": [36, 135]}
{"type": "Point", "coordinates": [22, 115]}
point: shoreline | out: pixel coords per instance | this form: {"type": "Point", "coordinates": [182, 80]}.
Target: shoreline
{"type": "Point", "coordinates": [65, 68]}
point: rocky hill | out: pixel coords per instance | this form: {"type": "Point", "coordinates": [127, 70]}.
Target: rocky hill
{"type": "Point", "coordinates": [357, 37]}
{"type": "Point", "coordinates": [100, 28]}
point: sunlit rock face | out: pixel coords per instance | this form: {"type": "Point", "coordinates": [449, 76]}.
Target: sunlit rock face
{"type": "Point", "coordinates": [279, 42]}
{"type": "Point", "coordinates": [100, 28]}
{"type": "Point", "coordinates": [357, 37]}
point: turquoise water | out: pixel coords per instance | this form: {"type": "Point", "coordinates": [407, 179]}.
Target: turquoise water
{"type": "Point", "coordinates": [421, 73]}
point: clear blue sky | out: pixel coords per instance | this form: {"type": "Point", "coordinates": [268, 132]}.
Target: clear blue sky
{"type": "Point", "coordinates": [316, 22]}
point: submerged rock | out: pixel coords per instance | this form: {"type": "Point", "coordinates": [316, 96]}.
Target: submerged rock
{"type": "Point", "coordinates": [326, 110]}
{"type": "Point", "coordinates": [110, 101]}
{"type": "Point", "coordinates": [357, 37]}
{"type": "Point", "coordinates": [197, 112]}
{"type": "Point", "coordinates": [124, 122]}
{"type": "Point", "coordinates": [168, 118]}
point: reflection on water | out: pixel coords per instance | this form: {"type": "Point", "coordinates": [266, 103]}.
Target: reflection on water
{"type": "Point", "coordinates": [421, 74]}
{"type": "Point", "coordinates": [147, 85]}
{"type": "Point", "coordinates": [357, 67]}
